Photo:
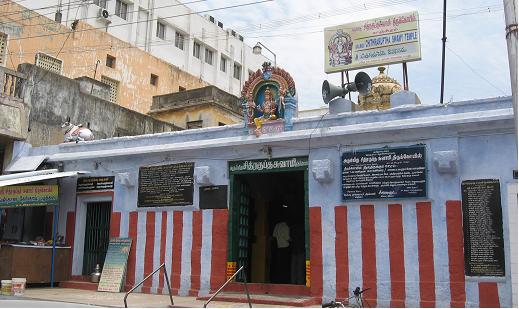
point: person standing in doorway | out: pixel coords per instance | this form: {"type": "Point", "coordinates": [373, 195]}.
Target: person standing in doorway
{"type": "Point", "coordinates": [282, 254]}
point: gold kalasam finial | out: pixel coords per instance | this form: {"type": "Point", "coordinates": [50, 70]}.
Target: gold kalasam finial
{"type": "Point", "coordinates": [382, 88]}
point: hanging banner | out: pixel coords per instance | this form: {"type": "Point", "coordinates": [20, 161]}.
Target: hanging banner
{"type": "Point", "coordinates": [374, 42]}
{"type": "Point", "coordinates": [28, 196]}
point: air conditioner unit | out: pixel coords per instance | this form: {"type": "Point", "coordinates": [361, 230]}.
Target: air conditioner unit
{"type": "Point", "coordinates": [104, 15]}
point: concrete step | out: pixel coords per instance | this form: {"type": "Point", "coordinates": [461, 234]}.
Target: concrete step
{"type": "Point", "coordinates": [78, 284]}
{"type": "Point", "coordinates": [266, 299]}
{"type": "Point", "coordinates": [268, 288]}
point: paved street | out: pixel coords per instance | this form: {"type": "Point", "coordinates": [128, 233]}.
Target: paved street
{"type": "Point", "coordinates": [23, 302]}
{"type": "Point", "coordinates": [69, 298]}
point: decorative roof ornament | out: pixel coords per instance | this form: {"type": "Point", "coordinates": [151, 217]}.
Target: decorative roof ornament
{"type": "Point", "coordinates": [268, 101]}
{"type": "Point", "coordinates": [382, 88]}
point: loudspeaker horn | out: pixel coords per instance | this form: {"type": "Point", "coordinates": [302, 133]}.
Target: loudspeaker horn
{"type": "Point", "coordinates": [362, 84]}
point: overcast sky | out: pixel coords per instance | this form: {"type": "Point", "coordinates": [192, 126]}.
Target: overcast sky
{"type": "Point", "coordinates": [476, 54]}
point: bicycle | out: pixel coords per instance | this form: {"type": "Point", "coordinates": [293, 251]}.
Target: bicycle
{"type": "Point", "coordinates": [358, 301]}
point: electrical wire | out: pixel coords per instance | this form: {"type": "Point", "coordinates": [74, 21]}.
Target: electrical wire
{"type": "Point", "coordinates": [112, 47]}
{"type": "Point", "coordinates": [95, 17]}
{"type": "Point", "coordinates": [154, 19]}
{"type": "Point", "coordinates": [476, 72]}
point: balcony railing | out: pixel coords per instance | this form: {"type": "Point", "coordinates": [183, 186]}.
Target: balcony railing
{"type": "Point", "coordinates": [11, 83]}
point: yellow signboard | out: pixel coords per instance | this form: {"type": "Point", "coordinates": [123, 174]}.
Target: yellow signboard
{"type": "Point", "coordinates": [374, 42]}
{"type": "Point", "coordinates": [27, 196]}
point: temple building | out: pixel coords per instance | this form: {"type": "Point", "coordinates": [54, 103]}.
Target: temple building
{"type": "Point", "coordinates": [412, 202]}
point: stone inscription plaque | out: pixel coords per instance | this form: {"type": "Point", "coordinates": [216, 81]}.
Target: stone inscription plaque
{"type": "Point", "coordinates": [384, 173]}
{"type": "Point", "coordinates": [483, 228]}
{"type": "Point", "coordinates": [166, 185]}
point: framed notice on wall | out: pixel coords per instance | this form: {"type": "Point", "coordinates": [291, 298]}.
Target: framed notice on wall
{"type": "Point", "coordinates": [114, 268]}
{"type": "Point", "coordinates": [483, 227]}
{"type": "Point", "coordinates": [166, 185]}
{"type": "Point", "coordinates": [213, 197]}
{"type": "Point", "coordinates": [384, 173]}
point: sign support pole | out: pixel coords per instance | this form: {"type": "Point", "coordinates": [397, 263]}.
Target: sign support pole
{"type": "Point", "coordinates": [54, 231]}
{"type": "Point", "coordinates": [405, 77]}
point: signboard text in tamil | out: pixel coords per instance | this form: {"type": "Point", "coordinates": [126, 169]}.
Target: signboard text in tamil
{"type": "Point", "coordinates": [368, 43]}
{"type": "Point", "coordinates": [384, 173]}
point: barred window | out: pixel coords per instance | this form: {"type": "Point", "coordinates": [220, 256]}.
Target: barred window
{"type": "Point", "coordinates": [49, 63]}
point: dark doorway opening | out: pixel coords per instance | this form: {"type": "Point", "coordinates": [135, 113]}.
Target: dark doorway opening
{"type": "Point", "coordinates": [97, 235]}
{"type": "Point", "coordinates": [269, 220]}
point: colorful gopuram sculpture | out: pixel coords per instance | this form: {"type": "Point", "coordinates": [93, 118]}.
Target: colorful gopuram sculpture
{"type": "Point", "coordinates": [268, 100]}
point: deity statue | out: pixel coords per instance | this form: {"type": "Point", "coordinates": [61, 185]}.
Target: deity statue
{"type": "Point", "coordinates": [268, 108]}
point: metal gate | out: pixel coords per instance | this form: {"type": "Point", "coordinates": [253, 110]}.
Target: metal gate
{"type": "Point", "coordinates": [97, 235]}
{"type": "Point", "coordinates": [243, 229]}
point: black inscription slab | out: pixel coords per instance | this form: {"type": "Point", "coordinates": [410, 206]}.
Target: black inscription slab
{"type": "Point", "coordinates": [384, 173]}
{"type": "Point", "coordinates": [213, 197]}
{"type": "Point", "coordinates": [483, 228]}
{"type": "Point", "coordinates": [95, 183]}
{"type": "Point", "coordinates": [166, 185]}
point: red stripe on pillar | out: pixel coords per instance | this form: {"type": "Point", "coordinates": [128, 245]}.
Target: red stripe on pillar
{"type": "Point", "coordinates": [195, 253]}
{"type": "Point", "coordinates": [176, 263]}
{"type": "Point", "coordinates": [316, 252]}
{"type": "Point", "coordinates": [369, 253]}
{"type": "Point", "coordinates": [163, 231]}
{"type": "Point", "coordinates": [425, 254]}
{"type": "Point", "coordinates": [396, 255]}
{"type": "Point", "coordinates": [488, 295]}
{"type": "Point", "coordinates": [219, 248]}
{"type": "Point", "coordinates": [456, 258]}
{"type": "Point", "coordinates": [341, 252]}
{"type": "Point", "coordinates": [132, 233]}
{"type": "Point", "coordinates": [115, 224]}
{"type": "Point", "coordinates": [148, 250]}
{"type": "Point", "coordinates": [70, 233]}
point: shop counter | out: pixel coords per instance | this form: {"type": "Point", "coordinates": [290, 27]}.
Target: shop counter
{"type": "Point", "coordinates": [34, 263]}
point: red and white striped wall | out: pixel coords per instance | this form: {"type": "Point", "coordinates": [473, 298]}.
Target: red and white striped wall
{"type": "Point", "coordinates": [409, 254]}
{"type": "Point", "coordinates": [193, 244]}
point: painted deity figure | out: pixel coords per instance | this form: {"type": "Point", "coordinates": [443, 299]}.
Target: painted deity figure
{"type": "Point", "coordinates": [268, 108]}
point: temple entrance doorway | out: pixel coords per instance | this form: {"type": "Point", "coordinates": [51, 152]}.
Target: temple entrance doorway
{"type": "Point", "coordinates": [268, 231]}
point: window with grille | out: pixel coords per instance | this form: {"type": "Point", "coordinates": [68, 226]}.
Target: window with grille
{"type": "Point", "coordinates": [209, 56]}
{"type": "Point", "coordinates": [223, 64]}
{"type": "Point", "coordinates": [179, 40]}
{"type": "Point", "coordinates": [49, 63]}
{"type": "Point", "coordinates": [121, 9]}
{"type": "Point", "coordinates": [161, 30]}
{"type": "Point", "coordinates": [114, 87]}
{"type": "Point", "coordinates": [194, 124]}
{"type": "Point", "coordinates": [100, 3]}
{"type": "Point", "coordinates": [196, 50]}
{"type": "Point", "coordinates": [237, 71]}
{"type": "Point", "coordinates": [3, 47]}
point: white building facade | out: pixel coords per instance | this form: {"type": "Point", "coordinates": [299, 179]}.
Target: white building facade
{"type": "Point", "coordinates": [167, 29]}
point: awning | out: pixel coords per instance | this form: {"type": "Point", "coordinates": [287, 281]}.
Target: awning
{"type": "Point", "coordinates": [25, 164]}
{"type": "Point", "coordinates": [9, 180]}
